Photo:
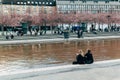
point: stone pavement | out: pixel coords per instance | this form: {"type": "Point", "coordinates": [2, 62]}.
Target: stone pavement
{"type": "Point", "coordinates": [110, 73]}
{"type": "Point", "coordinates": [57, 38]}
{"type": "Point", "coordinates": [54, 36]}
{"type": "Point", "coordinates": [102, 70]}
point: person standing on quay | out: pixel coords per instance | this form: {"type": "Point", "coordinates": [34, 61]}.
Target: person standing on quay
{"type": "Point", "coordinates": [80, 33]}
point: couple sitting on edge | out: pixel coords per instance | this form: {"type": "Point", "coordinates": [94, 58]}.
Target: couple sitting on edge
{"type": "Point", "coordinates": [84, 59]}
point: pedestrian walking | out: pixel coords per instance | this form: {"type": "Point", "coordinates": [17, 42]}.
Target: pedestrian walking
{"type": "Point", "coordinates": [80, 33]}
{"type": "Point", "coordinates": [12, 36]}
{"type": "Point", "coordinates": [7, 37]}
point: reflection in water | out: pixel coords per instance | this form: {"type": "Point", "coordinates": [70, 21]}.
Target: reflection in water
{"type": "Point", "coordinates": [25, 56]}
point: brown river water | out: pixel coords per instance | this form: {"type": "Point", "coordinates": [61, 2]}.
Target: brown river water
{"type": "Point", "coordinates": [29, 56]}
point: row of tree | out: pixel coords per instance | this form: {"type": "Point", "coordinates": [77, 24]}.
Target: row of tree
{"type": "Point", "coordinates": [53, 19]}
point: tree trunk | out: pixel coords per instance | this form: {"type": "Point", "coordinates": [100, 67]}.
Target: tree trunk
{"type": "Point", "coordinates": [2, 28]}
{"type": "Point", "coordinates": [102, 28]}
{"type": "Point", "coordinates": [51, 29]}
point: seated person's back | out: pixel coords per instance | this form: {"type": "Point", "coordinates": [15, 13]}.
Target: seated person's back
{"type": "Point", "coordinates": [89, 57]}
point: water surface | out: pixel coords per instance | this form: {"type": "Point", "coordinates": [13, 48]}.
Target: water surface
{"type": "Point", "coordinates": [28, 56]}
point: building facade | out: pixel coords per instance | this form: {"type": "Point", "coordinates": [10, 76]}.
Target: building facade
{"type": "Point", "coordinates": [93, 6]}
{"type": "Point", "coordinates": [32, 7]}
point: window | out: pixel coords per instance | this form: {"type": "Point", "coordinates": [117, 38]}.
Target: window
{"type": "Point", "coordinates": [84, 1]}
{"type": "Point", "coordinates": [24, 2]}
{"type": "Point", "coordinates": [21, 2]}
{"type": "Point", "coordinates": [28, 2]}
{"type": "Point", "coordinates": [46, 2]}
{"type": "Point", "coordinates": [39, 2]}
{"type": "Point", "coordinates": [96, 1]}
{"type": "Point", "coordinates": [36, 2]}
{"type": "Point", "coordinates": [43, 3]}
{"type": "Point", "coordinates": [106, 1]}
{"type": "Point", "coordinates": [18, 2]}
{"type": "Point", "coordinates": [32, 2]}
{"type": "Point", "coordinates": [50, 2]}
{"type": "Point", "coordinates": [72, 1]}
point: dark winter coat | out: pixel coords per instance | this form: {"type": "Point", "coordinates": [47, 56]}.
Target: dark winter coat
{"type": "Point", "coordinates": [89, 58]}
{"type": "Point", "coordinates": [80, 59]}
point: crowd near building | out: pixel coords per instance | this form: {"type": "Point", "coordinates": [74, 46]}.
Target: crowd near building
{"type": "Point", "coordinates": [64, 6]}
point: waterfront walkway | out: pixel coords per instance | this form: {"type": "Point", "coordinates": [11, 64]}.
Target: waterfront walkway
{"type": "Point", "coordinates": [57, 38]}
{"type": "Point", "coordinates": [102, 70]}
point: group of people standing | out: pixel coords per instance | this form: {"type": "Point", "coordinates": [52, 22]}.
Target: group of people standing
{"type": "Point", "coordinates": [84, 59]}
{"type": "Point", "coordinates": [9, 36]}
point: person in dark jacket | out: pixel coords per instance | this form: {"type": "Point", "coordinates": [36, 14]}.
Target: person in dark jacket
{"type": "Point", "coordinates": [78, 34]}
{"type": "Point", "coordinates": [79, 58]}
{"type": "Point", "coordinates": [7, 37]}
{"type": "Point", "coordinates": [12, 36]}
{"type": "Point", "coordinates": [89, 57]}
{"type": "Point", "coordinates": [81, 33]}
